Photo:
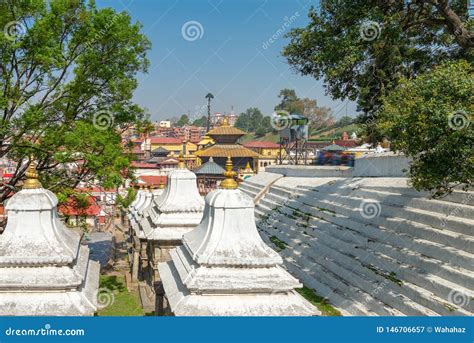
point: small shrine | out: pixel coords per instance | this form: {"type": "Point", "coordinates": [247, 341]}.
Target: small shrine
{"type": "Point", "coordinates": [224, 268]}
{"type": "Point", "coordinates": [44, 269]}
{"type": "Point", "coordinates": [179, 211]}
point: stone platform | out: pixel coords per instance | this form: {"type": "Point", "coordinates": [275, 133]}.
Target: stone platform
{"type": "Point", "coordinates": [371, 245]}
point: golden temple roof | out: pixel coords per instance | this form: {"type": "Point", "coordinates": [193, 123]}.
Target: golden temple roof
{"type": "Point", "coordinates": [225, 150]}
{"type": "Point", "coordinates": [206, 140]}
{"type": "Point", "coordinates": [226, 130]}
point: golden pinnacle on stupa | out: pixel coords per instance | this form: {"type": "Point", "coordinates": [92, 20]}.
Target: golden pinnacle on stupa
{"type": "Point", "coordinates": [229, 182]}
{"type": "Point", "coordinates": [32, 181]}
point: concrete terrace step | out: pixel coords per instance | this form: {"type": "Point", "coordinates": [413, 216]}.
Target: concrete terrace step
{"type": "Point", "coordinates": [440, 289]}
{"type": "Point", "coordinates": [397, 219]}
{"type": "Point", "coordinates": [457, 196]}
{"type": "Point", "coordinates": [430, 218]}
{"type": "Point", "coordinates": [413, 229]}
{"type": "Point", "coordinates": [344, 296]}
{"type": "Point", "coordinates": [348, 218]}
{"type": "Point", "coordinates": [441, 207]}
{"type": "Point", "coordinates": [416, 299]}
{"type": "Point", "coordinates": [359, 283]}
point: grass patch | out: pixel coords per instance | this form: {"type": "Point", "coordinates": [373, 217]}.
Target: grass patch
{"type": "Point", "coordinates": [278, 243]}
{"type": "Point", "coordinates": [321, 303]}
{"type": "Point", "coordinates": [390, 276]}
{"type": "Point", "coordinates": [121, 302]}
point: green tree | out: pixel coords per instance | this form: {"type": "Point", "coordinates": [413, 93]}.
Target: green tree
{"type": "Point", "coordinates": [362, 48]}
{"type": "Point", "coordinates": [344, 121]}
{"type": "Point", "coordinates": [124, 202]}
{"type": "Point", "coordinates": [430, 118]}
{"type": "Point", "coordinates": [289, 101]}
{"type": "Point", "coordinates": [183, 120]}
{"type": "Point", "coordinates": [67, 76]}
{"type": "Point", "coordinates": [318, 116]}
{"type": "Point", "coordinates": [201, 122]}
{"type": "Point", "coordinates": [252, 120]}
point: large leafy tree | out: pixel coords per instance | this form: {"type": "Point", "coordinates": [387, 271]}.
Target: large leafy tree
{"type": "Point", "coordinates": [318, 116]}
{"type": "Point", "coordinates": [252, 120]}
{"type": "Point", "coordinates": [430, 118]}
{"type": "Point", "coordinates": [361, 48]}
{"type": "Point", "coordinates": [67, 75]}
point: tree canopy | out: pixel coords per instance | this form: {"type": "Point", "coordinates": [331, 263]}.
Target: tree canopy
{"type": "Point", "coordinates": [318, 116]}
{"type": "Point", "coordinates": [201, 122]}
{"type": "Point", "coordinates": [67, 76]}
{"type": "Point", "coordinates": [363, 48]}
{"type": "Point", "coordinates": [430, 118]}
{"type": "Point", "coordinates": [183, 120]}
{"type": "Point", "coordinates": [252, 120]}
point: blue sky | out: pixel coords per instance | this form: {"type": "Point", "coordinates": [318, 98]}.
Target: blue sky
{"type": "Point", "coordinates": [227, 51]}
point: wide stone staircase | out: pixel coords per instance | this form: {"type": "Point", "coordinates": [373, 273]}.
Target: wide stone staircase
{"type": "Point", "coordinates": [373, 246]}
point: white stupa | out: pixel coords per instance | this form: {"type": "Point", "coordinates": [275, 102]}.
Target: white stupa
{"type": "Point", "coordinates": [145, 221]}
{"type": "Point", "coordinates": [44, 269]}
{"type": "Point", "coordinates": [224, 268]}
{"type": "Point", "coordinates": [180, 209]}
{"type": "Point", "coordinates": [141, 211]}
{"type": "Point", "coordinates": [177, 212]}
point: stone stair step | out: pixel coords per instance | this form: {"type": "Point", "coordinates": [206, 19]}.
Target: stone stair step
{"type": "Point", "coordinates": [459, 225]}
{"type": "Point", "coordinates": [346, 217]}
{"type": "Point", "coordinates": [457, 196]}
{"type": "Point", "coordinates": [343, 295]}
{"type": "Point", "coordinates": [415, 229]}
{"type": "Point", "coordinates": [440, 289]}
{"type": "Point", "coordinates": [441, 207]}
{"type": "Point", "coordinates": [364, 285]}
{"type": "Point", "coordinates": [368, 279]}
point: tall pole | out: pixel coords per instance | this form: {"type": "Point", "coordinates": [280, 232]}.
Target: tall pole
{"type": "Point", "coordinates": [209, 96]}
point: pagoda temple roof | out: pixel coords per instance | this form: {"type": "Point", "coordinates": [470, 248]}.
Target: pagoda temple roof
{"type": "Point", "coordinates": [209, 168]}
{"type": "Point", "coordinates": [225, 150]}
{"type": "Point", "coordinates": [226, 131]}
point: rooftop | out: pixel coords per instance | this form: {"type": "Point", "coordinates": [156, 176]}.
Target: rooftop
{"type": "Point", "coordinates": [261, 144]}
{"type": "Point", "coordinates": [224, 150]}
{"type": "Point", "coordinates": [209, 168]}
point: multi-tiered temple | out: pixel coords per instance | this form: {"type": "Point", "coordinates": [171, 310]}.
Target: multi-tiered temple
{"type": "Point", "coordinates": [44, 269]}
{"type": "Point", "coordinates": [224, 268]}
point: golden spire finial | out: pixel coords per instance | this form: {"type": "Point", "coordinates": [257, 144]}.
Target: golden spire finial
{"type": "Point", "coordinates": [32, 181]}
{"type": "Point", "coordinates": [225, 122]}
{"type": "Point", "coordinates": [229, 182]}
{"type": "Point", "coordinates": [181, 164]}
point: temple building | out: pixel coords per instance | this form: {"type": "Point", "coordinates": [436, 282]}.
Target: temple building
{"type": "Point", "coordinates": [177, 212]}
{"type": "Point", "coordinates": [225, 139]}
{"type": "Point", "coordinates": [209, 176]}
{"type": "Point", "coordinates": [44, 268]}
{"type": "Point", "coordinates": [224, 268]}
